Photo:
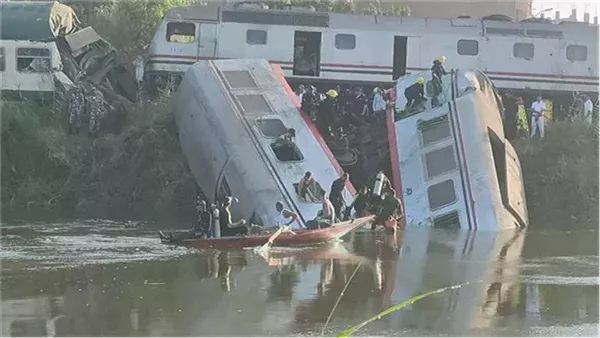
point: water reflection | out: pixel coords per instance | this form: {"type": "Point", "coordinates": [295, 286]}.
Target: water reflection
{"type": "Point", "coordinates": [239, 293]}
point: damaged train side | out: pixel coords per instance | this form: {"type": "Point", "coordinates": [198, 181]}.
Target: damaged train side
{"type": "Point", "coordinates": [229, 114]}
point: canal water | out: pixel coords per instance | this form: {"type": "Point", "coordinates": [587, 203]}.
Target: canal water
{"type": "Point", "coordinates": [115, 279]}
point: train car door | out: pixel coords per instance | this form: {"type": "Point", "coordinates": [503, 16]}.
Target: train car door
{"type": "Point", "coordinates": [207, 42]}
{"type": "Point", "coordinates": [307, 53]}
{"type": "Point", "coordinates": [399, 57]}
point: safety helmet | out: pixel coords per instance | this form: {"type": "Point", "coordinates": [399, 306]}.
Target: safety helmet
{"type": "Point", "coordinates": [420, 80]}
{"type": "Point", "coordinates": [376, 90]}
{"type": "Point", "coordinates": [332, 93]}
{"type": "Point", "coordinates": [441, 59]}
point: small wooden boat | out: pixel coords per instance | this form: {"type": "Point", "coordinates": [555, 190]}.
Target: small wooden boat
{"type": "Point", "coordinates": [298, 238]}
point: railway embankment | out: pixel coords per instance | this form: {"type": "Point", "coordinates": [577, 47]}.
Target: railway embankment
{"type": "Point", "coordinates": [139, 172]}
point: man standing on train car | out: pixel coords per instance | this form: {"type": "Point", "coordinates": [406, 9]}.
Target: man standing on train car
{"type": "Point", "coordinates": [335, 196]}
{"type": "Point", "coordinates": [538, 108]}
{"type": "Point", "coordinates": [437, 72]}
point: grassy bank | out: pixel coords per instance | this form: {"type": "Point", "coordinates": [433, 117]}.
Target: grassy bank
{"type": "Point", "coordinates": [137, 173]}
{"type": "Point", "coordinates": [561, 176]}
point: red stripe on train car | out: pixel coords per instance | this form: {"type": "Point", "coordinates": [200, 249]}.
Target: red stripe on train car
{"type": "Point", "coordinates": [279, 73]}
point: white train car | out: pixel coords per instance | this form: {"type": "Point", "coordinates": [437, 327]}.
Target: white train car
{"type": "Point", "coordinates": [229, 112]}
{"type": "Point", "coordinates": [312, 46]}
{"type": "Point", "coordinates": [452, 163]}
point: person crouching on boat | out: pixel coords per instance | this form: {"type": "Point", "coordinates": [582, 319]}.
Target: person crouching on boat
{"type": "Point", "coordinates": [360, 203]}
{"type": "Point", "coordinates": [306, 186]}
{"type": "Point", "coordinates": [229, 228]}
{"type": "Point", "coordinates": [391, 207]}
{"type": "Point", "coordinates": [203, 224]}
{"type": "Point", "coordinates": [286, 217]}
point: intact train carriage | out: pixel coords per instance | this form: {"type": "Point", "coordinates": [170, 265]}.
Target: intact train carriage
{"type": "Point", "coordinates": [555, 59]}
{"type": "Point", "coordinates": [229, 113]}
{"type": "Point", "coordinates": [452, 163]}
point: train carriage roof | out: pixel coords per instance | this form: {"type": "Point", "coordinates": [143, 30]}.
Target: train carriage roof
{"type": "Point", "coordinates": [36, 20]}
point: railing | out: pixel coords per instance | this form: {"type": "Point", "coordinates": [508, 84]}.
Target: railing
{"type": "Point", "coordinates": [402, 111]}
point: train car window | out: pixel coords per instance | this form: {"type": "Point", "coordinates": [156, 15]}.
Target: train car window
{"type": "Point", "coordinates": [523, 50]}
{"type": "Point", "coordinates": [2, 60]}
{"type": "Point", "coordinates": [345, 41]}
{"type": "Point", "coordinates": [576, 53]}
{"type": "Point", "coordinates": [542, 33]}
{"type": "Point", "coordinates": [441, 194]}
{"type": "Point", "coordinates": [467, 47]}
{"type": "Point", "coordinates": [33, 60]}
{"type": "Point", "coordinates": [181, 32]}
{"type": "Point", "coordinates": [287, 152]}
{"type": "Point", "coordinates": [435, 130]}
{"type": "Point", "coordinates": [256, 37]}
{"type": "Point", "coordinates": [440, 161]}
{"type": "Point", "coordinates": [271, 128]}
{"type": "Point", "coordinates": [449, 221]}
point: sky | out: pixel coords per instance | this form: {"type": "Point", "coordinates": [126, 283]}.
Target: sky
{"type": "Point", "coordinates": [565, 8]}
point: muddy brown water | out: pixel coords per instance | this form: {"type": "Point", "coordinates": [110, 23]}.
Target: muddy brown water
{"type": "Point", "coordinates": [114, 279]}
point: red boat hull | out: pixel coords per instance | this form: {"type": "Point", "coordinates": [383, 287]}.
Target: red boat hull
{"type": "Point", "coordinates": [301, 237]}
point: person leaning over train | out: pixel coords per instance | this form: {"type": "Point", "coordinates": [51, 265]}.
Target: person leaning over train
{"type": "Point", "coordinates": [415, 94]}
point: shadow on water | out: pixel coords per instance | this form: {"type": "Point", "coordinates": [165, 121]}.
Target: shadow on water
{"type": "Point", "coordinates": [536, 283]}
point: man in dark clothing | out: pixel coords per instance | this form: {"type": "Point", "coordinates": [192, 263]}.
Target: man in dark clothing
{"type": "Point", "coordinates": [358, 103]}
{"type": "Point", "coordinates": [335, 195]}
{"type": "Point", "coordinates": [511, 109]}
{"type": "Point", "coordinates": [437, 71]}
{"type": "Point", "coordinates": [359, 204]}
{"type": "Point", "coordinates": [203, 224]}
{"type": "Point", "coordinates": [327, 112]}
{"type": "Point", "coordinates": [229, 228]}
{"type": "Point", "coordinates": [391, 206]}
{"type": "Point", "coordinates": [415, 94]}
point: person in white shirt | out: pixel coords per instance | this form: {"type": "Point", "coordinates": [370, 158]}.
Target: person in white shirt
{"type": "Point", "coordinates": [378, 102]}
{"type": "Point", "coordinates": [538, 108]}
{"type": "Point", "coordinates": [588, 110]}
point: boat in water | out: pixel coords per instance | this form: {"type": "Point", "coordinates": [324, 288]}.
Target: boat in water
{"type": "Point", "coordinates": [452, 165]}
{"type": "Point", "coordinates": [230, 114]}
{"type": "Point", "coordinates": [298, 238]}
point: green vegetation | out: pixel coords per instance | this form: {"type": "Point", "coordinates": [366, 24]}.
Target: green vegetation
{"type": "Point", "coordinates": [137, 173]}
{"type": "Point", "coordinates": [561, 175]}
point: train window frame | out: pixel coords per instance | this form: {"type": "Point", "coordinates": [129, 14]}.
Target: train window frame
{"type": "Point", "coordinates": [469, 45]}
{"type": "Point", "coordinates": [435, 127]}
{"type": "Point", "coordinates": [447, 201]}
{"type": "Point", "coordinates": [440, 222]}
{"type": "Point", "coordinates": [47, 59]}
{"type": "Point", "coordinates": [519, 53]}
{"type": "Point", "coordinates": [256, 37]}
{"type": "Point", "coordinates": [169, 33]}
{"type": "Point", "coordinates": [2, 59]}
{"type": "Point", "coordinates": [260, 122]}
{"type": "Point", "coordinates": [341, 44]}
{"type": "Point", "coordinates": [293, 147]}
{"type": "Point", "coordinates": [433, 171]}
{"type": "Point", "coordinates": [569, 53]}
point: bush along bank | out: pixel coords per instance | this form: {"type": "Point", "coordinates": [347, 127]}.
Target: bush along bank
{"type": "Point", "coordinates": [561, 176]}
{"type": "Point", "coordinates": [136, 173]}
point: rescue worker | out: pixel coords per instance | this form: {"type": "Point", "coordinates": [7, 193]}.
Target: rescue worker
{"type": "Point", "coordinates": [335, 194]}
{"type": "Point", "coordinates": [415, 94]}
{"type": "Point", "coordinates": [300, 92]}
{"type": "Point", "coordinates": [76, 108]}
{"type": "Point", "coordinates": [203, 225]}
{"type": "Point", "coordinates": [379, 104]}
{"type": "Point", "coordinates": [511, 109]}
{"type": "Point", "coordinates": [284, 145]}
{"type": "Point", "coordinates": [391, 207]}
{"type": "Point", "coordinates": [228, 227]}
{"type": "Point", "coordinates": [537, 116]}
{"type": "Point", "coordinates": [360, 203]}
{"type": "Point", "coordinates": [306, 186]}
{"type": "Point", "coordinates": [437, 73]}
{"type": "Point", "coordinates": [327, 112]}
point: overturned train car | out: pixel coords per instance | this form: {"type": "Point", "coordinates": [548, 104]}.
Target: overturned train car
{"type": "Point", "coordinates": [229, 113]}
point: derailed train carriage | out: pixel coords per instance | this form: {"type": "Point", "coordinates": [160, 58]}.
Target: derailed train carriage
{"type": "Point", "coordinates": [229, 113]}
{"type": "Point", "coordinates": [452, 163]}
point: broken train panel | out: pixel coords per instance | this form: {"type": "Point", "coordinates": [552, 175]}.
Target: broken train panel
{"type": "Point", "coordinates": [229, 112]}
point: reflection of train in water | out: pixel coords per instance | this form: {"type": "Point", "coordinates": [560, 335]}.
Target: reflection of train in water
{"type": "Point", "coordinates": [452, 163]}
{"type": "Point", "coordinates": [312, 46]}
